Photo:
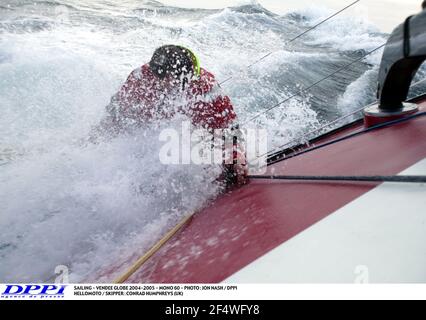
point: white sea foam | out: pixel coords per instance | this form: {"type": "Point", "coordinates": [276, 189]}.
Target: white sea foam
{"type": "Point", "coordinates": [90, 206]}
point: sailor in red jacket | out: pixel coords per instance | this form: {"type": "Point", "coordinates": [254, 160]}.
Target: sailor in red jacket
{"type": "Point", "coordinates": [172, 83]}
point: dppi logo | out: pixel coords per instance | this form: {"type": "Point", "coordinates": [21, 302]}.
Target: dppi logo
{"type": "Point", "coordinates": [34, 291]}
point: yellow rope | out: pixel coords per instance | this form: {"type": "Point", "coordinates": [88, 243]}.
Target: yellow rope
{"type": "Point", "coordinates": [141, 261]}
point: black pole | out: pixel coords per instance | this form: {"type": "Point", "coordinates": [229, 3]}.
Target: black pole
{"type": "Point", "coordinates": [400, 179]}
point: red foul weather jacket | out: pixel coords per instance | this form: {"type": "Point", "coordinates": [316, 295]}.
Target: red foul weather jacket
{"type": "Point", "coordinates": [144, 98]}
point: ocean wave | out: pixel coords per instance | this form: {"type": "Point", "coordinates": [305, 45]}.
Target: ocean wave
{"type": "Point", "coordinates": [16, 4]}
{"type": "Point", "coordinates": [87, 205]}
{"type": "Point", "coordinates": [25, 26]}
{"type": "Point", "coordinates": [81, 199]}
{"type": "Point", "coordinates": [254, 8]}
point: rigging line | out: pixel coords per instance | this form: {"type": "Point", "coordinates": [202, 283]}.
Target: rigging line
{"type": "Point", "coordinates": [322, 22]}
{"type": "Point", "coordinates": [401, 179]}
{"type": "Point", "coordinates": [313, 131]}
{"type": "Point", "coordinates": [297, 37]}
{"type": "Point", "coordinates": [358, 133]}
{"type": "Point", "coordinates": [327, 125]}
{"type": "Point", "coordinates": [418, 82]}
{"type": "Point", "coordinates": [142, 260]}
{"type": "Point", "coordinates": [276, 149]}
{"type": "Point", "coordinates": [313, 85]}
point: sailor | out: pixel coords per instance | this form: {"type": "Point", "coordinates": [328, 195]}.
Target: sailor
{"type": "Point", "coordinates": [173, 82]}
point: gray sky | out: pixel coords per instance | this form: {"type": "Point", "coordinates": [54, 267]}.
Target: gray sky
{"type": "Point", "coordinates": [385, 14]}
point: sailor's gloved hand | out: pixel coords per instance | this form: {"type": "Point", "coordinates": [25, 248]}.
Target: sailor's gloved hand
{"type": "Point", "coordinates": [236, 175]}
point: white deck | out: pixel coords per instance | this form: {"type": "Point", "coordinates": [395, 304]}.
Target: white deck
{"type": "Point", "coordinates": [378, 238]}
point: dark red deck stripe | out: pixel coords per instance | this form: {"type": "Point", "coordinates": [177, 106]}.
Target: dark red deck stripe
{"type": "Point", "coordinates": [241, 227]}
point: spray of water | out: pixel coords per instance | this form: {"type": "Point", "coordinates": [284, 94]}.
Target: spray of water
{"type": "Point", "coordinates": [88, 206]}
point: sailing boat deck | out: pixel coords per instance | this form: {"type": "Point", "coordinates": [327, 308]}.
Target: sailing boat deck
{"type": "Point", "coordinates": [243, 227]}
